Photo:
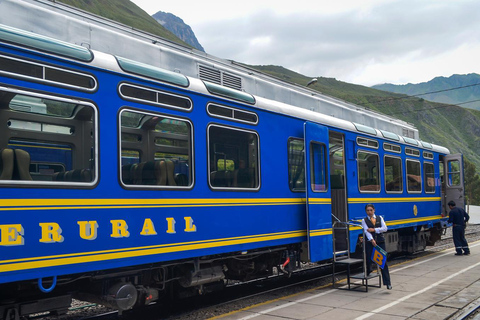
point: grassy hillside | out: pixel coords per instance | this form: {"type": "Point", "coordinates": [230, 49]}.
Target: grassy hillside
{"type": "Point", "coordinates": [126, 12]}
{"type": "Point", "coordinates": [454, 127]}
{"type": "Point", "coordinates": [467, 84]}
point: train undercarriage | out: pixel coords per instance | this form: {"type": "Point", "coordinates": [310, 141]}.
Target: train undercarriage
{"type": "Point", "coordinates": [138, 286]}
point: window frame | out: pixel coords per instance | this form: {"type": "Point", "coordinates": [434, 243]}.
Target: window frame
{"type": "Point", "coordinates": [303, 190]}
{"type": "Point", "coordinates": [375, 143]}
{"type": "Point", "coordinates": [378, 172]}
{"type": "Point", "coordinates": [157, 92]}
{"type": "Point", "coordinates": [95, 129]}
{"type": "Point", "coordinates": [385, 174]}
{"type": "Point", "coordinates": [146, 186]}
{"type": "Point", "coordinates": [209, 172]}
{"type": "Point", "coordinates": [421, 174]}
{"type": "Point", "coordinates": [450, 173]}
{"type": "Point", "coordinates": [233, 110]}
{"type": "Point", "coordinates": [392, 147]}
{"type": "Point", "coordinates": [312, 171]}
{"type": "Point", "coordinates": [45, 79]}
{"type": "Point", "coordinates": [425, 178]}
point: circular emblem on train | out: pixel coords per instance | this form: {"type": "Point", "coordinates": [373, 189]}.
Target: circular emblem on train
{"type": "Point", "coordinates": [415, 210]}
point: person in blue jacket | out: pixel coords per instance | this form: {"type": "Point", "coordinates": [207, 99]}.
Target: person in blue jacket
{"type": "Point", "coordinates": [459, 218]}
{"type": "Point", "coordinates": [374, 227]}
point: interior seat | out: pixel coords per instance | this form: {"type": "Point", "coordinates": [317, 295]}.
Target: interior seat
{"type": "Point", "coordinates": [22, 165]}
{"type": "Point", "coordinates": [161, 172]}
{"type": "Point", "coordinates": [6, 164]}
{"type": "Point", "coordinates": [170, 173]}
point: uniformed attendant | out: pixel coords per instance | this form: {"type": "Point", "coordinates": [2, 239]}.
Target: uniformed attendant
{"type": "Point", "coordinates": [374, 227]}
{"type": "Point", "coordinates": [459, 218]}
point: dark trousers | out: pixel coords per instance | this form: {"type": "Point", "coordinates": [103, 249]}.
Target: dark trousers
{"type": "Point", "coordinates": [368, 252]}
{"type": "Point", "coordinates": [459, 240]}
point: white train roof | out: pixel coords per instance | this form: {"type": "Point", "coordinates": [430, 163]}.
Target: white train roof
{"type": "Point", "coordinates": [102, 36]}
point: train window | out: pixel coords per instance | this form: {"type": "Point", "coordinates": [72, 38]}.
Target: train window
{"type": "Point", "coordinates": [390, 135]}
{"type": "Point", "coordinates": [51, 140]}
{"type": "Point", "coordinates": [155, 97]}
{"type": "Point", "coordinates": [412, 152]}
{"type": "Point", "coordinates": [43, 43]}
{"type": "Point", "coordinates": [426, 145]}
{"type": "Point", "coordinates": [410, 141]}
{"type": "Point", "coordinates": [427, 155]}
{"type": "Point", "coordinates": [245, 116]}
{"type": "Point", "coordinates": [225, 112]}
{"type": "Point", "coordinates": [392, 147]}
{"type": "Point", "coordinates": [441, 168]}
{"type": "Point", "coordinates": [367, 142]}
{"type": "Point", "coordinates": [368, 172]}
{"type": "Point", "coordinates": [130, 156]}
{"type": "Point", "coordinates": [38, 126]}
{"type": "Point", "coordinates": [318, 168]}
{"type": "Point", "coordinates": [156, 151]}
{"type": "Point", "coordinates": [229, 93]}
{"type": "Point", "coordinates": [152, 72]}
{"type": "Point", "coordinates": [366, 129]}
{"type": "Point", "coordinates": [220, 111]}
{"type": "Point", "coordinates": [429, 177]}
{"type": "Point", "coordinates": [20, 68]}
{"type": "Point", "coordinates": [296, 164]}
{"type": "Point", "coordinates": [31, 104]}
{"type": "Point", "coordinates": [393, 174]}
{"type": "Point", "coordinates": [233, 157]}
{"type": "Point", "coordinates": [414, 177]}
{"type": "Point", "coordinates": [453, 173]}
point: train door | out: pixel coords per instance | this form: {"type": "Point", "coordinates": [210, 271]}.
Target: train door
{"type": "Point", "coordinates": [338, 192]}
{"type": "Point", "coordinates": [453, 182]}
{"type": "Point", "coordinates": [318, 195]}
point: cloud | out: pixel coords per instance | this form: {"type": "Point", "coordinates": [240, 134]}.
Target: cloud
{"type": "Point", "coordinates": [390, 41]}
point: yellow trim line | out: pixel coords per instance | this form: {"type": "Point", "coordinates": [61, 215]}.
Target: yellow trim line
{"type": "Point", "coordinates": [51, 204]}
{"type": "Point", "coordinates": [404, 221]}
{"type": "Point", "coordinates": [57, 204]}
{"type": "Point", "coordinates": [95, 256]}
{"type": "Point", "coordinates": [377, 200]}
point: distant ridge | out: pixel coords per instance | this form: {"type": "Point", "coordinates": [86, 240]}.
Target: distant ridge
{"type": "Point", "coordinates": [176, 26]}
{"type": "Point", "coordinates": [468, 90]}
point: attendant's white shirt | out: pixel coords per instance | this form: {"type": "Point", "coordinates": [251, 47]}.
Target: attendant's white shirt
{"type": "Point", "coordinates": [382, 229]}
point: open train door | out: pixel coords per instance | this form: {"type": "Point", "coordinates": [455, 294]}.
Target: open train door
{"type": "Point", "coordinates": [318, 197]}
{"type": "Point", "coordinates": [454, 181]}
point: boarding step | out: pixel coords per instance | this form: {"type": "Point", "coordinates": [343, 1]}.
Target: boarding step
{"type": "Point", "coordinates": [362, 276]}
{"type": "Point", "coordinates": [349, 262]}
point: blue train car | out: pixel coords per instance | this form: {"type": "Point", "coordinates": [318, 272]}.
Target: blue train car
{"type": "Point", "coordinates": [121, 180]}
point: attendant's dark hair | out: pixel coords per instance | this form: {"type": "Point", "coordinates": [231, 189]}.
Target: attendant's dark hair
{"type": "Point", "coordinates": [369, 205]}
{"type": "Point", "coordinates": [451, 203]}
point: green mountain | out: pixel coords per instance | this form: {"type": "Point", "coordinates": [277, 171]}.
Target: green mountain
{"type": "Point", "coordinates": [179, 28]}
{"type": "Point", "coordinates": [125, 12]}
{"type": "Point", "coordinates": [439, 90]}
{"type": "Point", "coordinates": [454, 127]}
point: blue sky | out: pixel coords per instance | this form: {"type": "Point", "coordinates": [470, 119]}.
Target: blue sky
{"type": "Point", "coordinates": [363, 42]}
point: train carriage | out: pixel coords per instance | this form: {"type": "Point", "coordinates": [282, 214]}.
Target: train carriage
{"type": "Point", "coordinates": [121, 180]}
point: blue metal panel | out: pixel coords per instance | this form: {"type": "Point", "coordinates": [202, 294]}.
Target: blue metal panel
{"type": "Point", "coordinates": [319, 208]}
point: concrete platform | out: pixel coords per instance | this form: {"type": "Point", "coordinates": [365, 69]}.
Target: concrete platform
{"type": "Point", "coordinates": [434, 287]}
